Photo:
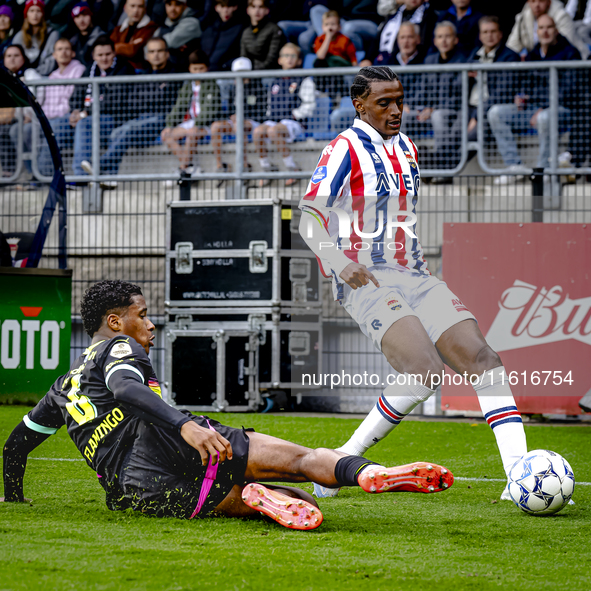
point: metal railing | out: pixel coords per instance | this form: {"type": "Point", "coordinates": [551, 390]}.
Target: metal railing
{"type": "Point", "coordinates": [332, 86]}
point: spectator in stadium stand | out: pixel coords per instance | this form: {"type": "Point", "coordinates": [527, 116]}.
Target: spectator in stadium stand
{"type": "Point", "coordinates": [55, 101]}
{"type": "Point", "coordinates": [86, 33]}
{"type": "Point", "coordinates": [151, 103]}
{"type": "Point", "coordinates": [113, 100]}
{"type": "Point", "coordinates": [580, 12]}
{"type": "Point", "coordinates": [410, 54]}
{"type": "Point", "coordinates": [291, 101]}
{"type": "Point", "coordinates": [531, 106]}
{"type": "Point", "coordinates": [197, 106]}
{"type": "Point", "coordinates": [37, 38]}
{"type": "Point", "coordinates": [496, 86]}
{"type": "Point", "coordinates": [465, 18]}
{"type": "Point", "coordinates": [418, 12]}
{"type": "Point", "coordinates": [262, 39]}
{"type": "Point", "coordinates": [6, 29]}
{"type": "Point", "coordinates": [332, 48]}
{"type": "Point", "coordinates": [221, 37]}
{"type": "Point", "coordinates": [15, 61]}
{"type": "Point", "coordinates": [524, 35]}
{"type": "Point", "coordinates": [181, 29]}
{"type": "Point", "coordinates": [255, 107]}
{"type": "Point", "coordinates": [132, 35]}
{"type": "Point", "coordinates": [302, 22]}
{"type": "Point", "coordinates": [441, 97]}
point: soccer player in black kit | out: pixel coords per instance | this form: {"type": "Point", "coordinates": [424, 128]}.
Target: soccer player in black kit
{"type": "Point", "coordinates": [162, 461]}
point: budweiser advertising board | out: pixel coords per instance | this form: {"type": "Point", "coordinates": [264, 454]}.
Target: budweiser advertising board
{"type": "Point", "coordinates": [529, 286]}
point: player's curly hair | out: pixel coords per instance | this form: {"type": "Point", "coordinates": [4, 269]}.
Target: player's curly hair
{"type": "Point", "coordinates": [103, 298]}
{"type": "Point", "coordinates": [361, 86]}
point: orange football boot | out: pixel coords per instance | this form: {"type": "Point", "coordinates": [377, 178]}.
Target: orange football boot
{"type": "Point", "coordinates": [417, 477]}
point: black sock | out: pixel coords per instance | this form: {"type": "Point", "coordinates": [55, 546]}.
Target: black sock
{"type": "Point", "coordinates": [348, 468]}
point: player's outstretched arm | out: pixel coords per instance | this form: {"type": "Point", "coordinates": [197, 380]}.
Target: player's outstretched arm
{"type": "Point", "coordinates": [21, 442]}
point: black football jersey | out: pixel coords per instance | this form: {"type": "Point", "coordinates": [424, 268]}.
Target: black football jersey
{"type": "Point", "coordinates": [101, 427]}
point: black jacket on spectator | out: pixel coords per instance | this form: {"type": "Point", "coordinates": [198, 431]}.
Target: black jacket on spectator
{"type": "Point", "coordinates": [255, 100]}
{"type": "Point", "coordinates": [467, 28]}
{"type": "Point", "coordinates": [443, 91]}
{"type": "Point", "coordinates": [115, 97]}
{"type": "Point", "coordinates": [221, 42]}
{"type": "Point", "coordinates": [502, 85]}
{"type": "Point", "coordinates": [261, 45]}
{"type": "Point", "coordinates": [156, 98]}
{"type": "Point", "coordinates": [82, 45]}
{"type": "Point", "coordinates": [537, 83]}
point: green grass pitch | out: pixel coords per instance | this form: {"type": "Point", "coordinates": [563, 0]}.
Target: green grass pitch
{"type": "Point", "coordinates": [463, 538]}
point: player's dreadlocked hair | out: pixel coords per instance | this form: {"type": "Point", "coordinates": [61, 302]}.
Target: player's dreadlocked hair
{"type": "Point", "coordinates": [361, 86]}
{"type": "Point", "coordinates": [102, 299]}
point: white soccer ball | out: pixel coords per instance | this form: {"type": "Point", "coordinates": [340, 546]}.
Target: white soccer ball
{"type": "Point", "coordinates": [541, 482]}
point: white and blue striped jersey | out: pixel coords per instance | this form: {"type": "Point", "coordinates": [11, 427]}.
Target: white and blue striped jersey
{"type": "Point", "coordinates": [364, 182]}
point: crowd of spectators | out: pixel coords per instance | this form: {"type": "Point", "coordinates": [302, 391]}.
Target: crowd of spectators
{"type": "Point", "coordinates": [102, 38]}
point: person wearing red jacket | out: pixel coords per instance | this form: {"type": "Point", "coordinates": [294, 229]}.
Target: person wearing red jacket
{"type": "Point", "coordinates": [131, 36]}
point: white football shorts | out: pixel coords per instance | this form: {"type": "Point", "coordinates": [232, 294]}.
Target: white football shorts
{"type": "Point", "coordinates": [403, 293]}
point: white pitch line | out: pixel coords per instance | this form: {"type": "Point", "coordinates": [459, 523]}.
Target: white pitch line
{"type": "Point", "coordinates": [504, 480]}
{"type": "Point", "coordinates": [464, 478]}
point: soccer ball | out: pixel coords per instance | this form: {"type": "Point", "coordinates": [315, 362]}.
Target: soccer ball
{"type": "Point", "coordinates": [541, 482]}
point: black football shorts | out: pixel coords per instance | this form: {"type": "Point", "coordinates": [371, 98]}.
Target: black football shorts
{"type": "Point", "coordinates": [162, 475]}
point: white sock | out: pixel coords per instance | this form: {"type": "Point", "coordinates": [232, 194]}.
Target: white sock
{"type": "Point", "coordinates": [264, 162]}
{"type": "Point", "coordinates": [499, 410]}
{"type": "Point", "coordinates": [289, 162]}
{"type": "Point", "coordinates": [393, 405]}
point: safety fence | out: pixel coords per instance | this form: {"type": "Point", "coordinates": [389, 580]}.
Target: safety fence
{"type": "Point", "coordinates": [274, 124]}
{"type": "Point", "coordinates": [120, 233]}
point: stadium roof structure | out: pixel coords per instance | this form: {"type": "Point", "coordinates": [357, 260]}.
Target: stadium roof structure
{"type": "Point", "coordinates": [14, 93]}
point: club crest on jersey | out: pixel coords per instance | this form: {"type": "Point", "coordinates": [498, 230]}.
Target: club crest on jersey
{"type": "Point", "coordinates": [393, 303]}
{"type": "Point", "coordinates": [319, 174]}
{"type": "Point", "coordinates": [120, 350]}
{"type": "Point", "coordinates": [410, 159]}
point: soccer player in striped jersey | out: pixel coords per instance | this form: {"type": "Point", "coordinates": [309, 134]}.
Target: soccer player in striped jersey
{"type": "Point", "coordinates": [359, 218]}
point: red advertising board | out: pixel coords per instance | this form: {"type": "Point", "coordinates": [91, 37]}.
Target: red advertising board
{"type": "Point", "coordinates": [529, 286]}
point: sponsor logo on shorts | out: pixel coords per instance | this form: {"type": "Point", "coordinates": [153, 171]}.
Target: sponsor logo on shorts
{"type": "Point", "coordinates": [376, 324]}
{"type": "Point", "coordinates": [120, 349]}
{"type": "Point", "coordinates": [393, 303]}
{"type": "Point", "coordinates": [319, 174]}
{"type": "Point", "coordinates": [457, 304]}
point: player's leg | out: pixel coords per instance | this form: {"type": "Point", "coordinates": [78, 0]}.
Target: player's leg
{"type": "Point", "coordinates": [273, 459]}
{"type": "Point", "coordinates": [411, 353]}
{"type": "Point", "coordinates": [464, 349]}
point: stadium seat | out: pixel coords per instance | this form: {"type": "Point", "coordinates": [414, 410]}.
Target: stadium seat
{"type": "Point", "coordinates": [360, 56]}
{"type": "Point", "coordinates": [309, 61]}
{"type": "Point", "coordinates": [319, 123]}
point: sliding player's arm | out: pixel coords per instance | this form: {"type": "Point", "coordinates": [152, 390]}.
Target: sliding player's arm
{"type": "Point", "coordinates": [127, 383]}
{"type": "Point", "coordinates": [39, 424]}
